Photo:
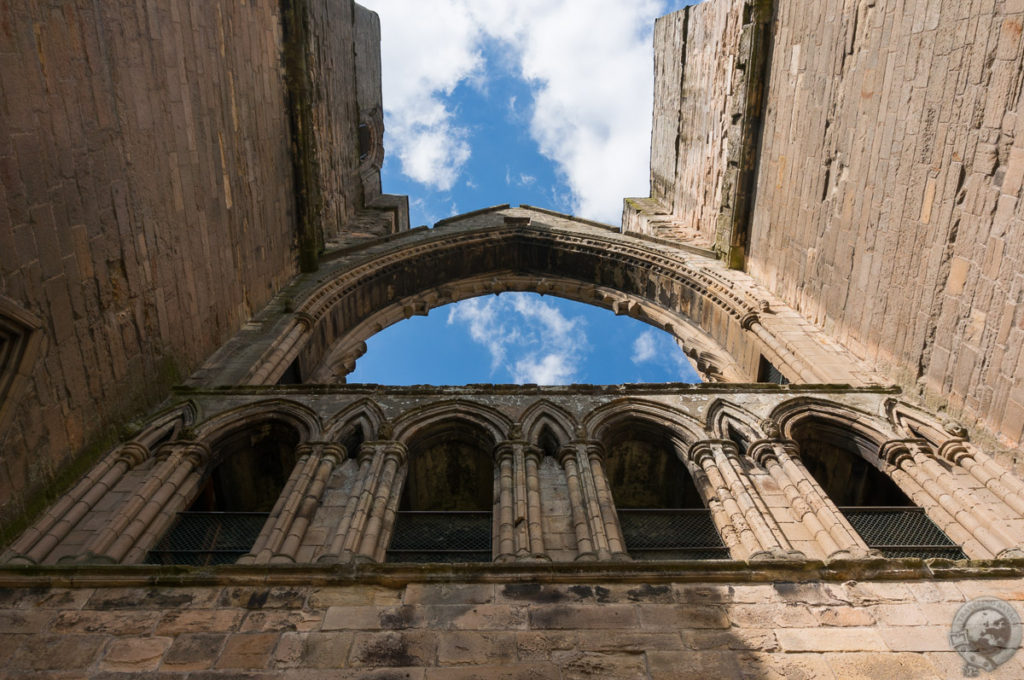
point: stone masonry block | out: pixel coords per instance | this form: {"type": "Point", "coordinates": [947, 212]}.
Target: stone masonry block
{"type": "Point", "coordinates": [134, 654]}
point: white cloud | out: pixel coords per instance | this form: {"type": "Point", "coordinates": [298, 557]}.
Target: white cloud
{"type": "Point", "coordinates": [528, 339]}
{"type": "Point", "coordinates": [553, 369]}
{"type": "Point", "coordinates": [589, 64]}
{"type": "Point", "coordinates": [643, 347]}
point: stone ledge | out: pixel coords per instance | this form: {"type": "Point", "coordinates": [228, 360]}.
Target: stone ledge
{"type": "Point", "coordinates": [392, 575]}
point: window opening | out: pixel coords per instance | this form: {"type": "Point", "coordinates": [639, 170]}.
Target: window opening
{"type": "Point", "coordinates": [767, 373]}
{"type": "Point", "coordinates": [872, 503]}
{"type": "Point", "coordinates": [661, 513]}
{"type": "Point", "coordinates": [227, 515]}
{"type": "Point", "coordinates": [445, 512]}
{"type": "Point", "coordinates": [292, 375]}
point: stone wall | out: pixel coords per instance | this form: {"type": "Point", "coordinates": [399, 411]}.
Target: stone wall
{"type": "Point", "coordinates": [507, 627]}
{"type": "Point", "coordinates": [708, 67]}
{"type": "Point", "coordinates": [146, 205]}
{"type": "Point", "coordinates": [888, 203]}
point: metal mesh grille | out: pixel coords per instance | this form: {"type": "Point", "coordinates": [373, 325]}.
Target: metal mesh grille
{"type": "Point", "coordinates": [902, 532]}
{"type": "Point", "coordinates": [671, 535]}
{"type": "Point", "coordinates": [205, 538]}
{"type": "Point", "coordinates": [441, 537]}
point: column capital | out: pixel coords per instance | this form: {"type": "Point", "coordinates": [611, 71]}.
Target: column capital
{"type": "Point", "coordinates": [386, 447]}
{"type": "Point", "coordinates": [591, 447]}
{"type": "Point", "coordinates": [955, 451]}
{"type": "Point", "coordinates": [333, 450]}
{"type": "Point", "coordinates": [698, 451]}
{"type": "Point", "coordinates": [198, 451]}
{"type": "Point", "coordinates": [132, 453]}
{"type": "Point", "coordinates": [764, 450]}
{"type": "Point", "coordinates": [508, 447]}
{"type": "Point", "coordinates": [895, 451]}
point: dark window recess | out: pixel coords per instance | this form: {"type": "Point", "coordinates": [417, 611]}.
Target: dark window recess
{"type": "Point", "coordinates": [208, 538]}
{"type": "Point", "coordinates": [365, 141]}
{"type": "Point", "coordinates": [901, 532]}
{"type": "Point", "coordinates": [767, 373]}
{"type": "Point", "coordinates": [680, 534]}
{"type": "Point", "coordinates": [291, 376]}
{"type": "Point", "coordinates": [452, 536]}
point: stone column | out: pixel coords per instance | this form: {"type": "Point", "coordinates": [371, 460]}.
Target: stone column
{"type": "Point", "coordinates": [914, 466]}
{"type": "Point", "coordinates": [809, 503]}
{"type": "Point", "coordinates": [139, 521]}
{"type": "Point", "coordinates": [284, 530]}
{"type": "Point", "coordinates": [520, 529]}
{"type": "Point", "coordinates": [996, 478]}
{"type": "Point", "coordinates": [756, 540]}
{"type": "Point", "coordinates": [39, 540]}
{"type": "Point", "coordinates": [369, 515]}
{"type": "Point", "coordinates": [598, 535]}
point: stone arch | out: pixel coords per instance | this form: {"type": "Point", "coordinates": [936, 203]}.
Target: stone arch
{"type": "Point", "coordinates": [729, 421]}
{"type": "Point", "coordinates": [543, 414]}
{"type": "Point", "coordinates": [715, 320]}
{"type": "Point", "coordinates": [302, 418]}
{"type": "Point", "coordinates": [684, 427]}
{"type": "Point", "coordinates": [827, 433]}
{"type": "Point", "coordinates": [169, 424]}
{"type": "Point", "coordinates": [365, 414]}
{"type": "Point", "coordinates": [914, 423]}
{"type": "Point", "coordinates": [865, 431]}
{"type": "Point", "coordinates": [408, 425]}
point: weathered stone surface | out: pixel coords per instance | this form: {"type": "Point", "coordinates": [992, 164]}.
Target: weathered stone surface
{"type": "Point", "coordinates": [134, 654]}
{"type": "Point", "coordinates": [193, 651]}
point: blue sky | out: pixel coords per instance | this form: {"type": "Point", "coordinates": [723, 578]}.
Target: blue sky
{"type": "Point", "coordinates": [540, 102]}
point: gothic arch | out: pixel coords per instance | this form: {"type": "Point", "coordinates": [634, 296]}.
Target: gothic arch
{"type": "Point", "coordinates": [863, 426]}
{"type": "Point", "coordinates": [411, 423]}
{"type": "Point", "coordinates": [543, 413]}
{"type": "Point", "coordinates": [365, 413]}
{"type": "Point", "coordinates": [684, 428]}
{"type": "Point", "coordinates": [302, 418]}
{"type": "Point", "coordinates": [723, 415]}
{"type": "Point", "coordinates": [170, 424]}
{"type": "Point", "coordinates": [715, 320]}
{"type": "Point", "coordinates": [915, 423]}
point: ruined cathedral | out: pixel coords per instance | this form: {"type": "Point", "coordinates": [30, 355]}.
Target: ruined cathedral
{"type": "Point", "coordinates": [195, 246]}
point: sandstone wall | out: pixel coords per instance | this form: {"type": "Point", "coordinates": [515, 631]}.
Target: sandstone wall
{"type": "Point", "coordinates": [509, 629]}
{"type": "Point", "coordinates": [146, 205]}
{"type": "Point", "coordinates": [888, 196]}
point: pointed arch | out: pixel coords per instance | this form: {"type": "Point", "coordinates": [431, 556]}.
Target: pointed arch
{"type": "Point", "coordinates": [364, 413]}
{"type": "Point", "coordinates": [726, 420]}
{"type": "Point", "coordinates": [545, 414]}
{"type": "Point", "coordinates": [912, 422]}
{"type": "Point", "coordinates": [305, 421]}
{"type": "Point", "coordinates": [865, 430]}
{"type": "Point", "coordinates": [684, 427]}
{"type": "Point", "coordinates": [414, 421]}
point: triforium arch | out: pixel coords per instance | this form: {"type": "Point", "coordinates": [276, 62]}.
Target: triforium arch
{"type": "Point", "coordinates": [735, 423]}
{"type": "Point", "coordinates": [547, 425]}
{"type": "Point", "coordinates": [362, 418]}
{"type": "Point", "coordinates": [723, 321]}
{"type": "Point", "coordinates": [904, 471]}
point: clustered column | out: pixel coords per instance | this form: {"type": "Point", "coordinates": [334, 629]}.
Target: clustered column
{"type": "Point", "coordinates": [915, 467]}
{"type": "Point", "coordinates": [996, 478]}
{"type": "Point", "coordinates": [520, 529]}
{"type": "Point", "coordinates": [737, 514]}
{"type": "Point", "coordinates": [37, 543]}
{"type": "Point", "coordinates": [369, 513]}
{"type": "Point", "coordinates": [147, 513]}
{"type": "Point", "coordinates": [816, 511]}
{"type": "Point", "coordinates": [284, 530]}
{"type": "Point", "coordinates": [598, 535]}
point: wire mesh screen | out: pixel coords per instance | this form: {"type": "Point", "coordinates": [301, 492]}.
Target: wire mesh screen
{"type": "Point", "coordinates": [206, 538]}
{"type": "Point", "coordinates": [421, 536]}
{"type": "Point", "coordinates": [671, 535]}
{"type": "Point", "coordinates": [902, 532]}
